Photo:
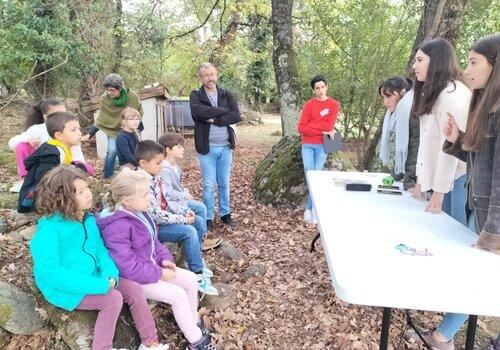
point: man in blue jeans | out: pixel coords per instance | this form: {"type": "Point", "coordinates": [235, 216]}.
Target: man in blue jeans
{"type": "Point", "coordinates": [214, 110]}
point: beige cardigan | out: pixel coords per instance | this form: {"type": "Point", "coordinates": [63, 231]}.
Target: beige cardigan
{"type": "Point", "coordinates": [437, 170]}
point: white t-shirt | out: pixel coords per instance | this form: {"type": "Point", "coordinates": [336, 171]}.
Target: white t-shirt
{"type": "Point", "coordinates": [40, 132]}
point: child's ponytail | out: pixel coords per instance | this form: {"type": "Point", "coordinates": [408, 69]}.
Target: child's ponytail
{"type": "Point", "coordinates": [108, 200]}
{"type": "Point", "coordinates": [37, 111]}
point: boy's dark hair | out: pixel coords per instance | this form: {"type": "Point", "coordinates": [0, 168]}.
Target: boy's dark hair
{"type": "Point", "coordinates": [171, 139]}
{"type": "Point", "coordinates": [316, 79]}
{"type": "Point", "coordinates": [56, 122]}
{"type": "Point", "coordinates": [36, 112]}
{"type": "Point", "coordinates": [147, 150]}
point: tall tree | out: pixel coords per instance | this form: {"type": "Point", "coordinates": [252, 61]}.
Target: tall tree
{"type": "Point", "coordinates": [285, 68]}
{"type": "Point", "coordinates": [439, 19]}
{"type": "Point", "coordinates": [118, 36]}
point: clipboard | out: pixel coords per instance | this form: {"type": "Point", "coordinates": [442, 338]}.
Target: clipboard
{"type": "Point", "coordinates": [330, 145]}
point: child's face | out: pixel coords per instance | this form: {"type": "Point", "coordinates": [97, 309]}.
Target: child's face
{"type": "Point", "coordinates": [154, 166]}
{"type": "Point", "coordinates": [131, 123]}
{"type": "Point", "coordinates": [83, 195]}
{"type": "Point", "coordinates": [177, 151]}
{"type": "Point", "coordinates": [71, 135]}
{"type": "Point", "coordinates": [54, 109]}
{"type": "Point", "coordinates": [139, 201]}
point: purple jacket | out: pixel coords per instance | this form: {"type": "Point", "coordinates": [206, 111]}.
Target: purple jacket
{"type": "Point", "coordinates": [136, 254]}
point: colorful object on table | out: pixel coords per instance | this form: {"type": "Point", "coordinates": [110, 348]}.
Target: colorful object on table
{"type": "Point", "coordinates": [404, 249]}
{"type": "Point", "coordinates": [388, 180]}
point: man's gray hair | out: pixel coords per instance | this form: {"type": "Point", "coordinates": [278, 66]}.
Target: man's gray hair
{"type": "Point", "coordinates": [206, 65]}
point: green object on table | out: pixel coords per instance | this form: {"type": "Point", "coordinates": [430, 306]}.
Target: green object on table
{"type": "Point", "coordinates": [388, 181]}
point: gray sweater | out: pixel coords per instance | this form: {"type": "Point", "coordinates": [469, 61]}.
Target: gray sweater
{"type": "Point", "coordinates": [172, 178]}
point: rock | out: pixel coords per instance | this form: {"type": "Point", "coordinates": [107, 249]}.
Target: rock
{"type": "Point", "coordinates": [177, 252]}
{"type": "Point", "coordinates": [27, 233]}
{"type": "Point", "coordinates": [254, 271]}
{"type": "Point", "coordinates": [17, 310]}
{"type": "Point", "coordinates": [16, 236]}
{"type": "Point", "coordinates": [225, 299]}
{"type": "Point", "coordinates": [4, 338]}
{"type": "Point", "coordinates": [77, 329]}
{"type": "Point", "coordinates": [3, 225]}
{"type": "Point", "coordinates": [224, 277]}
{"type": "Point", "coordinates": [22, 219]}
{"type": "Point", "coordinates": [227, 250]}
{"type": "Point", "coordinates": [279, 178]}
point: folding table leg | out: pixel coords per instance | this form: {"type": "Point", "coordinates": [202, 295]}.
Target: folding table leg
{"type": "Point", "coordinates": [384, 333]}
{"type": "Point", "coordinates": [471, 332]}
{"type": "Point", "coordinates": [314, 242]}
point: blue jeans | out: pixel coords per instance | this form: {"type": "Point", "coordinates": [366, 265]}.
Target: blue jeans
{"type": "Point", "coordinates": [216, 170]}
{"type": "Point", "coordinates": [454, 201]}
{"type": "Point", "coordinates": [200, 210]}
{"type": "Point", "coordinates": [314, 158]}
{"type": "Point", "coordinates": [109, 162]}
{"type": "Point", "coordinates": [190, 237]}
{"type": "Point", "coordinates": [452, 322]}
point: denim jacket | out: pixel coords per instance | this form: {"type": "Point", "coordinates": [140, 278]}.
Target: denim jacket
{"type": "Point", "coordinates": [483, 172]}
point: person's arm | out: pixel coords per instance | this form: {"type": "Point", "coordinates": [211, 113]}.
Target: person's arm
{"type": "Point", "coordinates": [120, 248]}
{"type": "Point", "coordinates": [125, 148]}
{"type": "Point", "coordinates": [231, 117]}
{"type": "Point", "coordinates": [492, 224]}
{"type": "Point", "coordinates": [106, 264]}
{"type": "Point", "coordinates": [162, 253]}
{"type": "Point", "coordinates": [446, 164]}
{"type": "Point", "coordinates": [304, 127]}
{"type": "Point", "coordinates": [455, 149]}
{"type": "Point", "coordinates": [410, 177]}
{"type": "Point", "coordinates": [202, 112]}
{"type": "Point", "coordinates": [162, 217]}
{"type": "Point", "coordinates": [92, 130]}
{"type": "Point", "coordinates": [170, 192]}
{"type": "Point", "coordinates": [48, 269]}
{"type": "Point", "coordinates": [33, 132]}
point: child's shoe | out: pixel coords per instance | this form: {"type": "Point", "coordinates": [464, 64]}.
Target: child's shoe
{"type": "Point", "coordinates": [203, 344]}
{"type": "Point", "coordinates": [16, 187]}
{"type": "Point", "coordinates": [206, 271]}
{"type": "Point", "coordinates": [436, 344]}
{"type": "Point", "coordinates": [211, 243]}
{"type": "Point", "coordinates": [205, 285]}
{"type": "Point", "coordinates": [154, 346]}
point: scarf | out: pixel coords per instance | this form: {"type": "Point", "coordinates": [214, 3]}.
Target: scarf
{"type": "Point", "coordinates": [121, 100]}
{"type": "Point", "coordinates": [67, 151]}
{"type": "Point", "coordinates": [397, 122]}
{"type": "Point", "coordinates": [109, 118]}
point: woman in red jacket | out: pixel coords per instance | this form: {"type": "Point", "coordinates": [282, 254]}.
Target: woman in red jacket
{"type": "Point", "coordinates": [318, 118]}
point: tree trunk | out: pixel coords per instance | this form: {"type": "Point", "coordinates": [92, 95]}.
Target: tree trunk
{"type": "Point", "coordinates": [439, 19]}
{"type": "Point", "coordinates": [285, 68]}
{"type": "Point", "coordinates": [43, 84]}
{"type": "Point", "coordinates": [118, 36]}
{"type": "Point", "coordinates": [228, 36]}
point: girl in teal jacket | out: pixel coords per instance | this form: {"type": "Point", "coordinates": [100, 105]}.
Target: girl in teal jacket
{"type": "Point", "coordinates": [73, 269]}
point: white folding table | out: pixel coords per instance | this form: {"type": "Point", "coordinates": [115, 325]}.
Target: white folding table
{"type": "Point", "coordinates": [360, 232]}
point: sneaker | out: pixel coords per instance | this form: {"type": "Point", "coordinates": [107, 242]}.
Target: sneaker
{"type": "Point", "coordinates": [203, 344]}
{"type": "Point", "coordinates": [205, 285]}
{"type": "Point", "coordinates": [206, 271]}
{"type": "Point", "coordinates": [435, 344]}
{"type": "Point", "coordinates": [308, 215]}
{"type": "Point", "coordinates": [226, 219]}
{"type": "Point", "coordinates": [155, 346]}
{"type": "Point", "coordinates": [211, 243]}
{"type": "Point", "coordinates": [16, 187]}
{"type": "Point", "coordinates": [210, 224]}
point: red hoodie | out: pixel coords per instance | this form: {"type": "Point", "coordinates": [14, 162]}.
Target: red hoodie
{"type": "Point", "coordinates": [317, 116]}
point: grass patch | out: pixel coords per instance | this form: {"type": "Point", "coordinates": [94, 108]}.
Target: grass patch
{"type": "Point", "coordinates": [8, 200]}
{"type": "Point", "coordinates": [8, 161]}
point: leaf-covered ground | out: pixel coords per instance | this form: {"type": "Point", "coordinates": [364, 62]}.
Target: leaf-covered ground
{"type": "Point", "coordinates": [292, 307]}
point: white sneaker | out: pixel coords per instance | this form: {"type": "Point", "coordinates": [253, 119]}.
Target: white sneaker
{"type": "Point", "coordinates": [308, 215]}
{"type": "Point", "coordinates": [206, 271]}
{"type": "Point", "coordinates": [156, 346]}
{"type": "Point", "coordinates": [205, 285]}
{"type": "Point", "coordinates": [16, 187]}
{"type": "Point", "coordinates": [314, 216]}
